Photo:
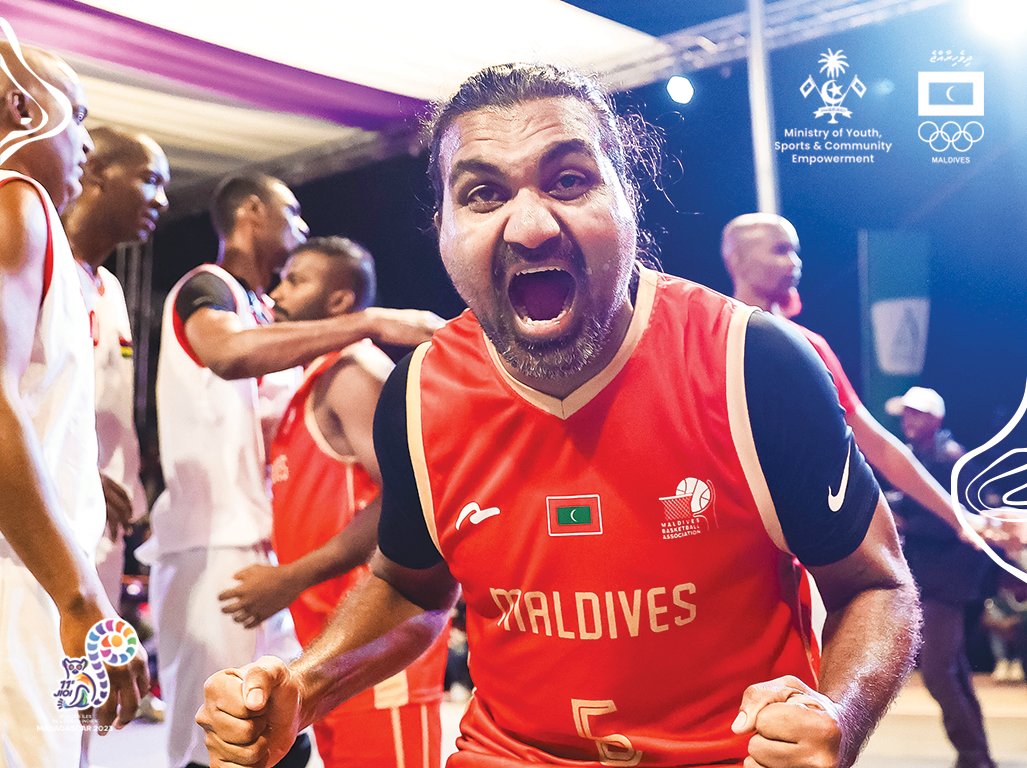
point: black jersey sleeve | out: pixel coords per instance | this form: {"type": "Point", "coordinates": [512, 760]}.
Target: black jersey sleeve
{"type": "Point", "coordinates": [402, 533]}
{"type": "Point", "coordinates": [203, 291]}
{"type": "Point", "coordinates": [823, 489]}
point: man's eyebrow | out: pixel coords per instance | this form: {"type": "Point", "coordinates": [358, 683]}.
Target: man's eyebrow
{"type": "Point", "coordinates": [554, 152]}
{"type": "Point", "coordinates": [570, 146]}
{"type": "Point", "coordinates": [472, 166]}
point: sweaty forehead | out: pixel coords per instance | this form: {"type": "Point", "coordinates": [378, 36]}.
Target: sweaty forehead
{"type": "Point", "coordinates": [515, 133]}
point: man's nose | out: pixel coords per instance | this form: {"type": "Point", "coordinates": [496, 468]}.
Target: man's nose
{"type": "Point", "coordinates": [87, 142]}
{"type": "Point", "coordinates": [530, 223]}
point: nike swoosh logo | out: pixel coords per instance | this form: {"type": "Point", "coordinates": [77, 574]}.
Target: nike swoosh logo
{"type": "Point", "coordinates": [475, 513]}
{"type": "Point", "coordinates": [835, 500]}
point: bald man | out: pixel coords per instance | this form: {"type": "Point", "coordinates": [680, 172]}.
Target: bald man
{"type": "Point", "coordinates": [760, 253]}
{"type": "Point", "coordinates": [122, 199]}
{"type": "Point", "coordinates": [51, 503]}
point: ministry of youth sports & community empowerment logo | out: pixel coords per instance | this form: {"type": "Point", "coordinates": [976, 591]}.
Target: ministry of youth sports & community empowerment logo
{"type": "Point", "coordinates": [832, 94]}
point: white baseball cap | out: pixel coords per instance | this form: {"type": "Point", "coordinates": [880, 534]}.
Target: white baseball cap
{"type": "Point", "coordinates": [919, 399]}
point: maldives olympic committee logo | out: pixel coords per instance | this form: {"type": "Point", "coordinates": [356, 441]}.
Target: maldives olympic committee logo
{"type": "Point", "coordinates": [950, 135]}
{"type": "Point", "coordinates": [949, 99]}
{"type": "Point", "coordinates": [832, 94]}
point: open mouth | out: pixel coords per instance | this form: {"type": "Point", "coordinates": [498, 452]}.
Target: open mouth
{"type": "Point", "coordinates": [541, 295]}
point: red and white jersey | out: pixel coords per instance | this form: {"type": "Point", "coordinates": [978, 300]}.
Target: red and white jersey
{"type": "Point", "coordinates": [316, 492]}
{"type": "Point", "coordinates": [624, 570]}
{"type": "Point", "coordinates": [212, 437]}
{"type": "Point", "coordinates": [113, 355]}
{"type": "Point", "coordinates": [57, 387]}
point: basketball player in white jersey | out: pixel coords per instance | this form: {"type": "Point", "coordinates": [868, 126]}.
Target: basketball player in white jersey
{"type": "Point", "coordinates": [224, 378]}
{"type": "Point", "coordinates": [122, 199]}
{"type": "Point", "coordinates": [51, 504]}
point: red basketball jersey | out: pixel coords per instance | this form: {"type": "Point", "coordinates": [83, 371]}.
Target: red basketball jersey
{"type": "Point", "coordinates": [316, 492]}
{"type": "Point", "coordinates": [619, 552]}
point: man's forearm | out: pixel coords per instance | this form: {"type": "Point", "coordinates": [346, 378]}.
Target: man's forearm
{"type": "Point", "coordinates": [259, 351]}
{"type": "Point", "coordinates": [29, 519]}
{"type": "Point", "coordinates": [910, 477]}
{"type": "Point", "coordinates": [869, 647]}
{"type": "Point", "coordinates": [375, 634]}
{"type": "Point", "coordinates": [901, 468]}
{"type": "Point", "coordinates": [350, 547]}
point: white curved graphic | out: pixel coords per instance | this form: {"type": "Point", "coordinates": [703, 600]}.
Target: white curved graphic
{"type": "Point", "coordinates": [1004, 478]}
{"type": "Point", "coordinates": [47, 127]}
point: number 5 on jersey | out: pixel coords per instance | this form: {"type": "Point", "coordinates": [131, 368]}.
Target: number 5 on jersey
{"type": "Point", "coordinates": [614, 749]}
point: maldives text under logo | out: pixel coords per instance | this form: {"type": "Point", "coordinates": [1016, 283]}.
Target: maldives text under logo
{"type": "Point", "coordinates": [833, 64]}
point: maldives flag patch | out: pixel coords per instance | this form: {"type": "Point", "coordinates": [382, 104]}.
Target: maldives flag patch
{"type": "Point", "coordinates": [574, 515]}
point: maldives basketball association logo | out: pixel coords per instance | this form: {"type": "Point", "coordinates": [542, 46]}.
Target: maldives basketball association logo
{"type": "Point", "coordinates": [690, 511]}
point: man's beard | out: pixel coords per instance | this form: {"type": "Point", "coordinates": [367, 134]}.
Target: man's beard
{"type": "Point", "coordinates": [554, 359]}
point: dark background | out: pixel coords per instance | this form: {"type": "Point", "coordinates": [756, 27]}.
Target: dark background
{"type": "Point", "coordinates": [974, 214]}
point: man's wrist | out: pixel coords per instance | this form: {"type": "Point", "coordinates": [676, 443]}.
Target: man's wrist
{"type": "Point", "coordinates": [355, 326]}
{"type": "Point", "coordinates": [295, 578]}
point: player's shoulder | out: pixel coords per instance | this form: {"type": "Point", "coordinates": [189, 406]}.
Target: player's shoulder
{"type": "Point", "coordinates": [23, 220]}
{"type": "Point", "coordinates": [776, 337]}
{"type": "Point", "coordinates": [364, 358]}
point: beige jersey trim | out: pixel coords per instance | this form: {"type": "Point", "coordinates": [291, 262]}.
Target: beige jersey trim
{"type": "Point", "coordinates": [415, 441]}
{"type": "Point", "coordinates": [392, 692]}
{"type": "Point", "coordinates": [583, 395]}
{"type": "Point", "coordinates": [741, 427]}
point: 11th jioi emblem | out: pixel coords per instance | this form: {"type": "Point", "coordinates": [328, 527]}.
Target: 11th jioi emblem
{"type": "Point", "coordinates": [113, 642]}
{"type": "Point", "coordinates": [832, 94]}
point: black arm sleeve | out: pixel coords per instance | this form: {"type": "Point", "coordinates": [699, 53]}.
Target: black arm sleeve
{"type": "Point", "coordinates": [203, 291]}
{"type": "Point", "coordinates": [823, 489]}
{"type": "Point", "coordinates": [402, 534]}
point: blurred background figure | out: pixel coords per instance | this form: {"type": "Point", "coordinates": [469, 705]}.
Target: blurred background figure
{"type": "Point", "coordinates": [952, 576]}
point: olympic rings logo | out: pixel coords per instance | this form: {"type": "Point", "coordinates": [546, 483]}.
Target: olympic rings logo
{"type": "Point", "coordinates": [950, 135]}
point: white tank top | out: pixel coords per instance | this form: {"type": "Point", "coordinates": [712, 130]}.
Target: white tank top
{"type": "Point", "coordinates": [115, 381]}
{"type": "Point", "coordinates": [211, 438]}
{"type": "Point", "coordinates": [57, 386]}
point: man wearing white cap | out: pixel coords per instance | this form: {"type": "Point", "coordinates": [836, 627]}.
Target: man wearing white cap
{"type": "Point", "coordinates": [950, 573]}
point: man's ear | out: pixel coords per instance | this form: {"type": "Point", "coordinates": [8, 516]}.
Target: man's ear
{"type": "Point", "coordinates": [340, 301]}
{"type": "Point", "coordinates": [436, 219]}
{"type": "Point", "coordinates": [16, 107]}
{"type": "Point", "coordinates": [250, 208]}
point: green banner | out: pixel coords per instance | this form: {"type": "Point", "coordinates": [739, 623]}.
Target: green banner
{"type": "Point", "coordinates": [894, 267]}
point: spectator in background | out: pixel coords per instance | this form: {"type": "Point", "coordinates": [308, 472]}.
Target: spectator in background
{"type": "Point", "coordinates": [951, 575]}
